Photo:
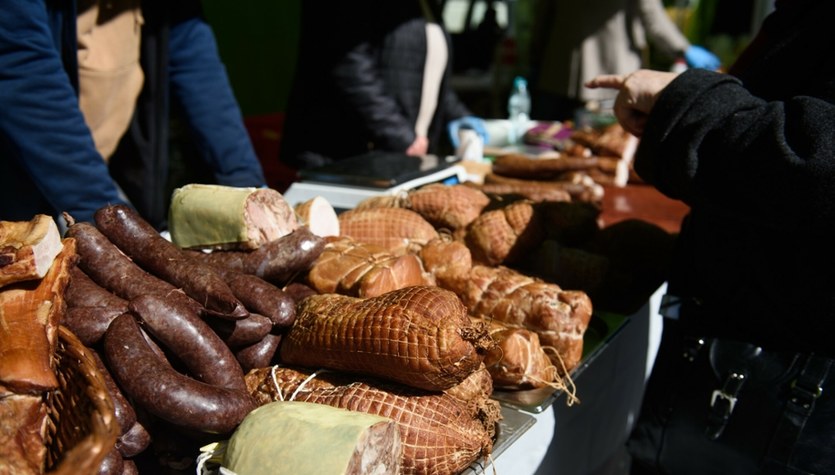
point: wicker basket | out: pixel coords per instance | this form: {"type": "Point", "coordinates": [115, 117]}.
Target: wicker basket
{"type": "Point", "coordinates": [81, 427]}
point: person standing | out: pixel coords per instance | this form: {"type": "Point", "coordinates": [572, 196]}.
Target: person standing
{"type": "Point", "coordinates": [573, 42]}
{"type": "Point", "coordinates": [372, 75]}
{"type": "Point", "coordinates": [744, 379]}
{"type": "Point", "coordinates": [86, 89]}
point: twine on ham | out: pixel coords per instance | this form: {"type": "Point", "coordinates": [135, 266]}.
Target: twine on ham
{"type": "Point", "coordinates": [301, 386]}
{"type": "Point", "coordinates": [565, 384]}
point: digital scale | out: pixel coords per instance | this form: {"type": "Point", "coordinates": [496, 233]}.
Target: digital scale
{"type": "Point", "coordinates": [347, 182]}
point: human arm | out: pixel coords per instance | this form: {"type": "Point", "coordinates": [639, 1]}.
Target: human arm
{"type": "Point", "coordinates": [667, 38]}
{"type": "Point", "coordinates": [710, 142]}
{"type": "Point", "coordinates": [41, 126]}
{"type": "Point", "coordinates": [201, 85]}
{"type": "Point", "coordinates": [419, 147]}
{"type": "Point", "coordinates": [637, 94]}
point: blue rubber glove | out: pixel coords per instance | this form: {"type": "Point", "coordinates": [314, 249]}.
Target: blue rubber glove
{"type": "Point", "coordinates": [467, 122]}
{"type": "Point", "coordinates": [700, 58]}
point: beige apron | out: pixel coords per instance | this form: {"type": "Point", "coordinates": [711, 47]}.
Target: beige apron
{"type": "Point", "coordinates": [109, 74]}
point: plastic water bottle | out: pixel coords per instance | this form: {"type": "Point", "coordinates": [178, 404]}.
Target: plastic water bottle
{"type": "Point", "coordinates": [519, 109]}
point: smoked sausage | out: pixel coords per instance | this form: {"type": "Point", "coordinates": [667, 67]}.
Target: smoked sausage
{"type": "Point", "coordinates": [83, 292]}
{"type": "Point", "coordinates": [125, 415]}
{"type": "Point", "coordinates": [260, 354]}
{"type": "Point", "coordinates": [243, 332]}
{"type": "Point", "coordinates": [90, 323]}
{"type": "Point", "coordinates": [107, 266]}
{"type": "Point", "coordinates": [142, 243]}
{"type": "Point", "coordinates": [276, 261]}
{"type": "Point", "coordinates": [261, 297]}
{"type": "Point", "coordinates": [155, 386]}
{"type": "Point", "coordinates": [191, 339]}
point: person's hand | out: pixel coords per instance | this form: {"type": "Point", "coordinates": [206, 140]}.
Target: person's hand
{"type": "Point", "coordinates": [637, 94]}
{"type": "Point", "coordinates": [466, 122]}
{"type": "Point", "coordinates": [700, 58]}
{"type": "Point", "coordinates": [419, 147]}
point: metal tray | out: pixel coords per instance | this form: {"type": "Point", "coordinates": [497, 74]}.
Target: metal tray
{"type": "Point", "coordinates": [514, 423]}
{"type": "Point", "coordinates": [603, 327]}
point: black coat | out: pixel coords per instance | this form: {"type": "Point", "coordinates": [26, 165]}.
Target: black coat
{"type": "Point", "coordinates": [754, 157]}
{"type": "Point", "coordinates": [357, 82]}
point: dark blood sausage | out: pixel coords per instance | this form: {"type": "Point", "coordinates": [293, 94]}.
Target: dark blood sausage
{"type": "Point", "coordinates": [90, 307]}
{"type": "Point", "coordinates": [159, 389]}
{"type": "Point", "coordinates": [262, 297]}
{"type": "Point", "coordinates": [191, 340]}
{"type": "Point", "coordinates": [129, 467]}
{"type": "Point", "coordinates": [125, 415]}
{"type": "Point", "coordinates": [276, 261]}
{"type": "Point", "coordinates": [259, 355]}
{"type": "Point", "coordinates": [83, 292]}
{"type": "Point", "coordinates": [142, 243]}
{"type": "Point", "coordinates": [112, 463]}
{"type": "Point", "coordinates": [103, 262]}
{"type": "Point", "coordinates": [243, 332]}
{"type": "Point", "coordinates": [90, 323]}
{"type": "Point", "coordinates": [134, 441]}
{"type": "Point", "coordinates": [299, 291]}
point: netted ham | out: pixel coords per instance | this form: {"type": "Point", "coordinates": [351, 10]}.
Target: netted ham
{"type": "Point", "coordinates": [559, 317]}
{"type": "Point", "coordinates": [448, 206]}
{"type": "Point", "coordinates": [474, 393]}
{"type": "Point", "coordinates": [446, 257]}
{"type": "Point", "coordinates": [383, 201]}
{"type": "Point", "coordinates": [397, 230]}
{"type": "Point", "coordinates": [519, 361]}
{"type": "Point", "coordinates": [506, 234]}
{"type": "Point", "coordinates": [419, 336]}
{"type": "Point", "coordinates": [357, 269]}
{"type": "Point", "coordinates": [440, 436]}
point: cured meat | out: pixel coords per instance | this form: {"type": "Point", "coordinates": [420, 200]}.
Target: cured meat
{"type": "Point", "coordinates": [559, 317]}
{"type": "Point", "coordinates": [357, 269]}
{"type": "Point", "coordinates": [418, 336]}
{"type": "Point", "coordinates": [440, 436]}
{"type": "Point", "coordinates": [287, 438]}
{"type": "Point", "coordinates": [448, 206]}
{"type": "Point", "coordinates": [27, 248]}
{"type": "Point", "coordinates": [397, 230]}
{"type": "Point", "coordinates": [29, 317]}
{"type": "Point", "coordinates": [506, 234]}
{"type": "Point", "coordinates": [225, 217]}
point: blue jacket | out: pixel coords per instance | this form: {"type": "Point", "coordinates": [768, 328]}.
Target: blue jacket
{"type": "Point", "coordinates": [48, 161]}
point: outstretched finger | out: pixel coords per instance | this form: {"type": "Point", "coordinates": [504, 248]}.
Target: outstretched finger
{"type": "Point", "coordinates": [611, 81]}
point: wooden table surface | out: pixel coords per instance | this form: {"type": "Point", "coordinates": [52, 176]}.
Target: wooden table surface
{"type": "Point", "coordinates": [642, 202]}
